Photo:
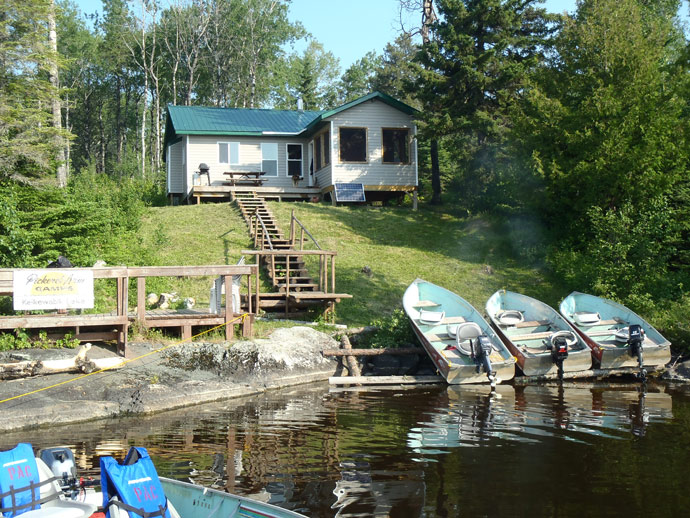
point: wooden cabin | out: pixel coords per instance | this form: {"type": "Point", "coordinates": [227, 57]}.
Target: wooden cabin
{"type": "Point", "coordinates": [368, 144]}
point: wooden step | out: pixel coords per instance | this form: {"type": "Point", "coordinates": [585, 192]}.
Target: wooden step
{"type": "Point", "coordinates": [294, 288]}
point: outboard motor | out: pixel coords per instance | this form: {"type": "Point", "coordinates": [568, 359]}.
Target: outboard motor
{"type": "Point", "coordinates": [635, 339]}
{"type": "Point", "coordinates": [60, 461]}
{"type": "Point", "coordinates": [559, 343]}
{"type": "Point", "coordinates": [559, 353]}
{"type": "Point", "coordinates": [481, 350]}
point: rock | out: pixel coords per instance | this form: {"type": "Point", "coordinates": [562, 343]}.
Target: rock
{"type": "Point", "coordinates": [488, 269]}
{"type": "Point", "coordinates": [384, 365]}
{"type": "Point", "coordinates": [408, 364]}
{"type": "Point", "coordinates": [679, 372]}
{"type": "Point", "coordinates": [287, 349]}
{"type": "Point", "coordinates": [99, 264]}
{"type": "Point", "coordinates": [152, 299]}
{"type": "Point", "coordinates": [366, 270]}
{"type": "Point", "coordinates": [189, 302]}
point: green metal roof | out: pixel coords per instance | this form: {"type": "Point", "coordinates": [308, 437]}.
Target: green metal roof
{"type": "Point", "coordinates": [202, 120]}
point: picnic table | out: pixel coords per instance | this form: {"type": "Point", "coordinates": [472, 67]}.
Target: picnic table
{"type": "Point", "coordinates": [244, 177]}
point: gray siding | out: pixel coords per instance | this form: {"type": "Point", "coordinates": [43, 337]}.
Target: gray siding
{"type": "Point", "coordinates": [175, 176]}
{"type": "Point", "coordinates": [373, 115]}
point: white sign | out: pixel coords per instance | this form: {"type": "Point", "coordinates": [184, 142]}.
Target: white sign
{"type": "Point", "coordinates": [54, 288]}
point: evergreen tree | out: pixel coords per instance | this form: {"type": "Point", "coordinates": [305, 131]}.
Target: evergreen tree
{"type": "Point", "coordinates": [473, 70]}
{"type": "Point", "coordinates": [29, 143]}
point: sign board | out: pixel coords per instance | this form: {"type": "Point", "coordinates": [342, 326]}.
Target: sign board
{"type": "Point", "coordinates": [54, 288]}
{"type": "Point", "coordinates": [349, 192]}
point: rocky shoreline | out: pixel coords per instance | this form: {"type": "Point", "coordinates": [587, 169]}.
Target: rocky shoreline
{"type": "Point", "coordinates": [192, 373]}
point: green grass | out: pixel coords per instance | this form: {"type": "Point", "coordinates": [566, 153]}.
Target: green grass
{"type": "Point", "coordinates": [398, 244]}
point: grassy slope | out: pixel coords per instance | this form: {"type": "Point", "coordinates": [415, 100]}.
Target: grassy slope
{"type": "Point", "coordinates": [398, 244]}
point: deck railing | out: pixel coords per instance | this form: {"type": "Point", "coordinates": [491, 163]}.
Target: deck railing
{"type": "Point", "coordinates": [114, 324]}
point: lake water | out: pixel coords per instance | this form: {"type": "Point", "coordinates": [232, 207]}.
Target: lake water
{"type": "Point", "coordinates": [433, 451]}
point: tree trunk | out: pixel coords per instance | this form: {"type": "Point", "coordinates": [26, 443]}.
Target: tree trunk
{"type": "Point", "coordinates": [435, 174]}
{"type": "Point", "coordinates": [57, 105]}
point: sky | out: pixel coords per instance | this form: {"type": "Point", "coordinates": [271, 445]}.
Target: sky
{"type": "Point", "coordinates": [351, 28]}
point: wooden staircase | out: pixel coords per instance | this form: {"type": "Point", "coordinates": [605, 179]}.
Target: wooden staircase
{"type": "Point", "coordinates": [294, 288]}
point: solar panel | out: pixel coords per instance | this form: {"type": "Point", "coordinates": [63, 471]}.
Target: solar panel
{"type": "Point", "coordinates": [349, 192]}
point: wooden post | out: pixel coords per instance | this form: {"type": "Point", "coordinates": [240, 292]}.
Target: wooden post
{"type": "Point", "coordinates": [141, 299]}
{"type": "Point", "coordinates": [301, 240]}
{"type": "Point", "coordinates": [292, 228]}
{"type": "Point", "coordinates": [325, 273]}
{"type": "Point", "coordinates": [414, 199]}
{"type": "Point", "coordinates": [229, 328]}
{"type": "Point", "coordinates": [320, 272]}
{"type": "Point", "coordinates": [258, 293]}
{"type": "Point", "coordinates": [287, 282]}
{"type": "Point", "coordinates": [333, 273]}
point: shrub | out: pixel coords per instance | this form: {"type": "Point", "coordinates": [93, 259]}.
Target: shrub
{"type": "Point", "coordinates": [392, 331]}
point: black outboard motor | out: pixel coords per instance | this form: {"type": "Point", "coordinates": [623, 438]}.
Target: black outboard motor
{"type": "Point", "coordinates": [635, 339]}
{"type": "Point", "coordinates": [559, 353]}
{"type": "Point", "coordinates": [481, 350]}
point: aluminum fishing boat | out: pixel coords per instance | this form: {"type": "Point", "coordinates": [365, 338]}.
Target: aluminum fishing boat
{"type": "Point", "coordinates": [540, 339]}
{"type": "Point", "coordinates": [459, 341]}
{"type": "Point", "coordinates": [618, 337]}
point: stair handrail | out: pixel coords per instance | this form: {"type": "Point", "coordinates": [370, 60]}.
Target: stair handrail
{"type": "Point", "coordinates": [263, 227]}
{"type": "Point", "coordinates": [304, 229]}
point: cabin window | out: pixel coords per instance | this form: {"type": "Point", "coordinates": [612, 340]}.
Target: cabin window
{"type": "Point", "coordinates": [322, 153]}
{"type": "Point", "coordinates": [326, 149]}
{"type": "Point", "coordinates": [396, 146]}
{"type": "Point", "coordinates": [353, 144]}
{"type": "Point", "coordinates": [269, 158]}
{"type": "Point", "coordinates": [294, 160]}
{"type": "Point", "coordinates": [229, 153]}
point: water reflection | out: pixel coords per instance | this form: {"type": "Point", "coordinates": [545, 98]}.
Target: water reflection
{"type": "Point", "coordinates": [414, 452]}
{"type": "Point", "coordinates": [470, 416]}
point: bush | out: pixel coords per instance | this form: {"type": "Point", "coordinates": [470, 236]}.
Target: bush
{"type": "Point", "coordinates": [392, 331]}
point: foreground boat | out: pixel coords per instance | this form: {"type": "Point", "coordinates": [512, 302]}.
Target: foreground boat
{"type": "Point", "coordinates": [47, 487]}
{"type": "Point", "coordinates": [618, 337]}
{"type": "Point", "coordinates": [542, 341]}
{"type": "Point", "coordinates": [458, 340]}
{"type": "Point", "coordinates": [192, 501]}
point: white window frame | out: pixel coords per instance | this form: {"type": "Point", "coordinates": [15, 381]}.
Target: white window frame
{"type": "Point", "coordinates": [229, 151]}
{"type": "Point", "coordinates": [274, 145]}
{"type": "Point", "coordinates": [288, 159]}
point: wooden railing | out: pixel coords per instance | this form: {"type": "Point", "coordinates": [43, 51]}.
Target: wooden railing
{"type": "Point", "coordinates": [264, 233]}
{"type": "Point", "coordinates": [303, 230]}
{"type": "Point", "coordinates": [84, 325]}
{"type": "Point", "coordinates": [89, 326]}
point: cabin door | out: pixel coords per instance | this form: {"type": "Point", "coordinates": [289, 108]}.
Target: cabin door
{"type": "Point", "coordinates": [310, 161]}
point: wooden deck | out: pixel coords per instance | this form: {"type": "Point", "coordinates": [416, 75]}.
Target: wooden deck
{"type": "Point", "coordinates": [114, 324]}
{"type": "Point", "coordinates": [229, 191]}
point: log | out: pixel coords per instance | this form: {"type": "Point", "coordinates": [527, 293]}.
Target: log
{"type": "Point", "coordinates": [384, 380]}
{"type": "Point", "coordinates": [597, 374]}
{"type": "Point", "coordinates": [351, 362]}
{"type": "Point", "coordinates": [373, 352]}
{"type": "Point", "coordinates": [79, 363]}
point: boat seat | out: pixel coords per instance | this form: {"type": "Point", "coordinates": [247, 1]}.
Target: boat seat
{"type": "Point", "coordinates": [510, 317]}
{"type": "Point", "coordinates": [431, 317]}
{"type": "Point", "coordinates": [57, 508]}
{"type": "Point", "coordinates": [464, 333]}
{"type": "Point", "coordinates": [586, 318]}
